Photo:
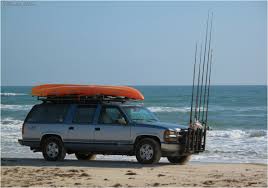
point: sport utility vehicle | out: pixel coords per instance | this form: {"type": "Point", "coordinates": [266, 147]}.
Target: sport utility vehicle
{"type": "Point", "coordinates": [106, 127]}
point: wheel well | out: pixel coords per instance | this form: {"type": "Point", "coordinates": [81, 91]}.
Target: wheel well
{"type": "Point", "coordinates": [147, 136]}
{"type": "Point", "coordinates": [44, 137]}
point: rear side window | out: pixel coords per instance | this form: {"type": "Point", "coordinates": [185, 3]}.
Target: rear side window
{"type": "Point", "coordinates": [48, 113]}
{"type": "Point", "coordinates": [84, 114]}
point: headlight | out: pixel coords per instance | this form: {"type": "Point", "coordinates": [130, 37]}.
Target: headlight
{"type": "Point", "coordinates": [170, 136]}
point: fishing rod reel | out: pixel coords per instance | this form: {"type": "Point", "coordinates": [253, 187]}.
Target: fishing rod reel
{"type": "Point", "coordinates": [196, 124]}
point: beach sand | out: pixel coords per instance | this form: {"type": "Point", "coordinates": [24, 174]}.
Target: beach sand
{"type": "Point", "coordinates": [74, 173]}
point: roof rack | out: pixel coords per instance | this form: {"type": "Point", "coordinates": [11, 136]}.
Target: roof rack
{"type": "Point", "coordinates": [83, 99]}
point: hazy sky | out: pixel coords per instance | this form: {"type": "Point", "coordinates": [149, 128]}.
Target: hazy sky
{"type": "Point", "coordinates": [130, 43]}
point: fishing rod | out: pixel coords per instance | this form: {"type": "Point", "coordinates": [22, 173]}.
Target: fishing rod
{"type": "Point", "coordinates": [205, 51]}
{"type": "Point", "coordinates": [197, 93]}
{"type": "Point", "coordinates": [210, 65]}
{"type": "Point", "coordinates": [205, 132]}
{"type": "Point", "coordinates": [207, 69]}
{"type": "Point", "coordinates": [193, 86]}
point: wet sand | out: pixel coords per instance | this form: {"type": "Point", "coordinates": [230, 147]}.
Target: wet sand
{"type": "Point", "coordinates": [74, 173]}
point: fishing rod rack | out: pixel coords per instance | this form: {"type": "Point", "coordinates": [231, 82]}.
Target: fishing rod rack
{"type": "Point", "coordinates": [193, 140]}
{"type": "Point", "coordinates": [84, 99]}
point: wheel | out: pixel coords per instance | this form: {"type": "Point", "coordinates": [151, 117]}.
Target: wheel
{"type": "Point", "coordinates": [148, 151]}
{"type": "Point", "coordinates": [179, 160]}
{"type": "Point", "coordinates": [53, 149]}
{"type": "Point", "coordinates": [88, 156]}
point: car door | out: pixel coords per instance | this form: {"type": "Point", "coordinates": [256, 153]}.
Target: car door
{"type": "Point", "coordinates": [81, 128]}
{"type": "Point", "coordinates": [112, 132]}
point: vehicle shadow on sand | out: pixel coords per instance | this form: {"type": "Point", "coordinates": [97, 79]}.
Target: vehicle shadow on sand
{"type": "Point", "coordinates": [75, 163]}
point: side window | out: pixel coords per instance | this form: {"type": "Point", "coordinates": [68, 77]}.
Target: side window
{"type": "Point", "coordinates": [48, 113]}
{"type": "Point", "coordinates": [111, 115]}
{"type": "Point", "coordinates": [84, 114]}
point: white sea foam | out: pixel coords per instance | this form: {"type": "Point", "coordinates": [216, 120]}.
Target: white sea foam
{"type": "Point", "coordinates": [169, 109]}
{"type": "Point", "coordinates": [237, 109]}
{"type": "Point", "coordinates": [11, 121]}
{"type": "Point", "coordinates": [12, 94]}
{"type": "Point", "coordinates": [237, 134]}
{"type": "Point", "coordinates": [238, 146]}
{"type": "Point", "coordinates": [10, 125]}
{"type": "Point", "coordinates": [211, 108]}
{"type": "Point", "coordinates": [15, 107]}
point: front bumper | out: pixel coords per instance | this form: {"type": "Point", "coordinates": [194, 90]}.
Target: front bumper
{"type": "Point", "coordinates": [191, 141]}
{"type": "Point", "coordinates": [171, 149]}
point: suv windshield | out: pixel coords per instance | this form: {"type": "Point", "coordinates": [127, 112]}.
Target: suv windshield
{"type": "Point", "coordinates": [139, 114]}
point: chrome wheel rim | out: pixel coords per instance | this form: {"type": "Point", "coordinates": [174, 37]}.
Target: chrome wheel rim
{"type": "Point", "coordinates": [146, 152]}
{"type": "Point", "coordinates": [52, 150]}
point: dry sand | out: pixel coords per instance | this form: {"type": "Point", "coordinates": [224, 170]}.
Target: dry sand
{"type": "Point", "coordinates": [73, 173]}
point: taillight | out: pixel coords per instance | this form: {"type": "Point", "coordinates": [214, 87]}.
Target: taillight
{"type": "Point", "coordinates": [22, 129]}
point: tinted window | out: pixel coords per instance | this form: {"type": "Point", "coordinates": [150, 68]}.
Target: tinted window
{"type": "Point", "coordinates": [48, 113]}
{"type": "Point", "coordinates": [111, 115]}
{"type": "Point", "coordinates": [84, 114]}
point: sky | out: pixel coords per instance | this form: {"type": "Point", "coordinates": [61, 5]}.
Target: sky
{"type": "Point", "coordinates": [130, 43]}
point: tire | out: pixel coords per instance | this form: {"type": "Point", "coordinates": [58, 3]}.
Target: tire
{"type": "Point", "coordinates": [148, 151]}
{"type": "Point", "coordinates": [53, 149]}
{"type": "Point", "coordinates": [81, 156]}
{"type": "Point", "coordinates": [179, 160]}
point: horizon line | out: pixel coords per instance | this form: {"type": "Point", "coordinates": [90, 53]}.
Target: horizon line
{"type": "Point", "coordinates": [146, 85]}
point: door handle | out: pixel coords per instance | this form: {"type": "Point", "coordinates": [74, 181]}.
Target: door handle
{"type": "Point", "coordinates": [71, 128]}
{"type": "Point", "coordinates": [97, 129]}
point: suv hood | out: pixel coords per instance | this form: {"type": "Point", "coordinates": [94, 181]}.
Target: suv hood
{"type": "Point", "coordinates": [164, 125]}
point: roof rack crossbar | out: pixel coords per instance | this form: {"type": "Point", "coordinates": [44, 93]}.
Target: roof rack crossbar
{"type": "Point", "coordinates": [84, 99]}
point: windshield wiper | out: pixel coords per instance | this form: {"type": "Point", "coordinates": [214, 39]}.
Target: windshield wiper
{"type": "Point", "coordinates": [151, 120]}
{"type": "Point", "coordinates": [138, 119]}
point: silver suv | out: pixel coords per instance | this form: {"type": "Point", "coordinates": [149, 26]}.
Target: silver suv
{"type": "Point", "coordinates": [88, 128]}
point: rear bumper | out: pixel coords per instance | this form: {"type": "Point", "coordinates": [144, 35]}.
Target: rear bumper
{"type": "Point", "coordinates": [20, 142]}
{"type": "Point", "coordinates": [32, 143]}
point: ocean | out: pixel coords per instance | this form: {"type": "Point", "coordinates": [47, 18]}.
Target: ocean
{"type": "Point", "coordinates": [237, 118]}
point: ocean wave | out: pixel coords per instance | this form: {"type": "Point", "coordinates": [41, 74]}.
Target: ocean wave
{"type": "Point", "coordinates": [236, 146]}
{"type": "Point", "coordinates": [222, 145]}
{"type": "Point", "coordinates": [211, 109]}
{"type": "Point", "coordinates": [237, 134]}
{"type": "Point", "coordinates": [11, 121]}
{"type": "Point", "coordinates": [249, 115]}
{"type": "Point", "coordinates": [15, 107]}
{"type": "Point", "coordinates": [259, 133]}
{"type": "Point", "coordinates": [10, 127]}
{"type": "Point", "coordinates": [169, 109]}
{"type": "Point", "coordinates": [12, 94]}
{"type": "Point", "coordinates": [237, 108]}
